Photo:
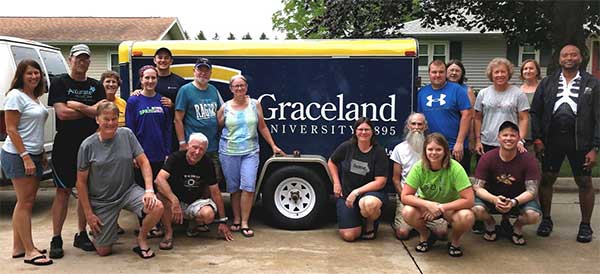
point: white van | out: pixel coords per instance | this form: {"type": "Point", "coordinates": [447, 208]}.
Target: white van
{"type": "Point", "coordinates": [12, 51]}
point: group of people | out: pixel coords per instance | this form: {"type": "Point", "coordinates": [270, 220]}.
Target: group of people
{"type": "Point", "coordinates": [507, 127]}
{"type": "Point", "coordinates": [162, 154]}
{"type": "Point", "coordinates": [159, 154]}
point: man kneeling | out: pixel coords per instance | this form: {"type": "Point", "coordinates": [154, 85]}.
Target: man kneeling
{"type": "Point", "coordinates": [106, 185]}
{"type": "Point", "coordinates": [506, 182]}
{"type": "Point", "coordinates": [183, 184]}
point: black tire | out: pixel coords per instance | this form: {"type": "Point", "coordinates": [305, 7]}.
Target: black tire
{"type": "Point", "coordinates": [296, 214]}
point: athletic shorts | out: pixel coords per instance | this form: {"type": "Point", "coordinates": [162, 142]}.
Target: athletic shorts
{"type": "Point", "coordinates": [13, 166]}
{"type": "Point", "coordinates": [109, 214]}
{"type": "Point", "coordinates": [350, 217]}
{"type": "Point", "coordinates": [64, 159]}
{"type": "Point", "coordinates": [240, 171]}
{"type": "Point", "coordinates": [561, 145]}
{"type": "Point", "coordinates": [190, 212]}
{"type": "Point", "coordinates": [491, 208]}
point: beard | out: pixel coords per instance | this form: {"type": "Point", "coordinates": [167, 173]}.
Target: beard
{"type": "Point", "coordinates": [415, 139]}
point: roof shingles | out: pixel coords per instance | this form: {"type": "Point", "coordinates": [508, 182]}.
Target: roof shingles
{"type": "Point", "coordinates": [85, 29]}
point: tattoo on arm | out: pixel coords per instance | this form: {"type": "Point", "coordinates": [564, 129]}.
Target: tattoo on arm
{"type": "Point", "coordinates": [531, 186]}
{"type": "Point", "coordinates": [478, 184]}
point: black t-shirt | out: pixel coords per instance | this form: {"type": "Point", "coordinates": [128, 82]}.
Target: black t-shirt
{"type": "Point", "coordinates": [358, 168]}
{"type": "Point", "coordinates": [189, 182]}
{"type": "Point", "coordinates": [62, 89]}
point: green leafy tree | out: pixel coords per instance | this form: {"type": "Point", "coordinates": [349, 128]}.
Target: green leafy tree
{"type": "Point", "coordinates": [216, 37]}
{"type": "Point", "coordinates": [550, 23]}
{"type": "Point", "coordinates": [263, 36]}
{"type": "Point", "coordinates": [247, 36]}
{"type": "Point", "coordinates": [296, 17]}
{"type": "Point", "coordinates": [231, 36]}
{"type": "Point", "coordinates": [185, 35]}
{"type": "Point", "coordinates": [200, 36]}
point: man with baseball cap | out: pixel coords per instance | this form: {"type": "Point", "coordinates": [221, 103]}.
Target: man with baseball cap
{"type": "Point", "coordinates": [506, 183]}
{"type": "Point", "coordinates": [74, 97]}
{"type": "Point", "coordinates": [196, 111]}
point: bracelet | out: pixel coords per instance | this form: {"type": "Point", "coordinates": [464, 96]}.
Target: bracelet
{"type": "Point", "coordinates": [24, 154]}
{"type": "Point", "coordinates": [149, 191]}
{"type": "Point", "coordinates": [181, 142]}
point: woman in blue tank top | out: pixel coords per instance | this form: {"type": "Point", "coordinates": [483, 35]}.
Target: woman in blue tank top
{"type": "Point", "coordinates": [242, 119]}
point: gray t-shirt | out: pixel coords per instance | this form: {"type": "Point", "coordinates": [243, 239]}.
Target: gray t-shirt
{"type": "Point", "coordinates": [110, 165]}
{"type": "Point", "coordinates": [497, 107]}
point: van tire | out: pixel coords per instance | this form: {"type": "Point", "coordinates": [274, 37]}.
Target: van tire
{"type": "Point", "coordinates": [294, 197]}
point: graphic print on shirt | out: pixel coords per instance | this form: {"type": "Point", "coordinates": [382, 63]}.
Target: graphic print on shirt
{"type": "Point", "coordinates": [359, 167]}
{"type": "Point", "coordinates": [506, 179]}
{"type": "Point", "coordinates": [567, 93]}
{"type": "Point", "coordinates": [83, 95]}
{"type": "Point", "coordinates": [207, 109]}
{"type": "Point", "coordinates": [431, 188]}
{"type": "Point", "coordinates": [192, 181]}
{"type": "Point", "coordinates": [441, 100]}
{"type": "Point", "coordinates": [150, 110]}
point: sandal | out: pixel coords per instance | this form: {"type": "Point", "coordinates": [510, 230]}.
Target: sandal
{"type": "Point", "coordinates": [490, 235]}
{"type": "Point", "coordinates": [371, 234]}
{"type": "Point", "coordinates": [247, 232]}
{"type": "Point", "coordinates": [36, 261]}
{"type": "Point", "coordinates": [235, 227]}
{"type": "Point", "coordinates": [138, 250]}
{"type": "Point", "coordinates": [21, 255]}
{"type": "Point", "coordinates": [517, 239]}
{"type": "Point", "coordinates": [545, 227]}
{"type": "Point", "coordinates": [422, 246]}
{"type": "Point", "coordinates": [454, 251]}
{"type": "Point", "coordinates": [155, 232]}
{"type": "Point", "coordinates": [166, 244]}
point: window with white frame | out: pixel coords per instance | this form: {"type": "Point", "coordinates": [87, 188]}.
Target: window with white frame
{"type": "Point", "coordinates": [528, 52]}
{"type": "Point", "coordinates": [429, 51]}
{"type": "Point", "coordinates": [113, 63]}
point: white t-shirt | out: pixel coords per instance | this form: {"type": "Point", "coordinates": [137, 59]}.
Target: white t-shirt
{"type": "Point", "coordinates": [31, 123]}
{"type": "Point", "coordinates": [497, 107]}
{"type": "Point", "coordinates": [404, 155]}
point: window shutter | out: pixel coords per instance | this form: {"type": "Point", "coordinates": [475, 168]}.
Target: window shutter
{"type": "Point", "coordinates": [456, 50]}
{"type": "Point", "coordinates": [512, 53]}
{"type": "Point", "coordinates": [545, 55]}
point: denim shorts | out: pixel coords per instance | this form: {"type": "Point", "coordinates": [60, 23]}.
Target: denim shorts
{"type": "Point", "coordinates": [350, 217]}
{"type": "Point", "coordinates": [489, 207]}
{"type": "Point", "coordinates": [13, 166]}
{"type": "Point", "coordinates": [240, 171]}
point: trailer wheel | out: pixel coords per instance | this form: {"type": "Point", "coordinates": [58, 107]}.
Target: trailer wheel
{"type": "Point", "coordinates": [294, 197]}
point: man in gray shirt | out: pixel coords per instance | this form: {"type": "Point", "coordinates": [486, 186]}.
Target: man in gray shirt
{"type": "Point", "coordinates": [105, 182]}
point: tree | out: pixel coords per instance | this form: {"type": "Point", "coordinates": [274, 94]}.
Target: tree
{"type": "Point", "coordinates": [200, 36]}
{"type": "Point", "coordinates": [296, 18]}
{"type": "Point", "coordinates": [216, 37]}
{"type": "Point", "coordinates": [247, 36]}
{"type": "Point", "coordinates": [263, 36]}
{"type": "Point", "coordinates": [551, 23]}
{"type": "Point", "coordinates": [185, 35]}
{"type": "Point", "coordinates": [231, 36]}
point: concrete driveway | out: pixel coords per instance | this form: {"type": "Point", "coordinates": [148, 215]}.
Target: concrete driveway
{"type": "Point", "coordinates": [314, 251]}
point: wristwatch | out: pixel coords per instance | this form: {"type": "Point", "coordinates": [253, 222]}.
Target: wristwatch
{"type": "Point", "coordinates": [221, 221]}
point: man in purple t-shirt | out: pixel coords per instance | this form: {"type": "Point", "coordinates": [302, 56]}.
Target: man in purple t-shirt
{"type": "Point", "coordinates": [506, 182]}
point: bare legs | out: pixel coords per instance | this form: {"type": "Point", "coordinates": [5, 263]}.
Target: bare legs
{"type": "Point", "coordinates": [26, 190]}
{"type": "Point", "coordinates": [370, 209]}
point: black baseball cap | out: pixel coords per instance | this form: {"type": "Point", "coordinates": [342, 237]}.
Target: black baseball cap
{"type": "Point", "coordinates": [203, 62]}
{"type": "Point", "coordinates": [165, 50]}
{"type": "Point", "coordinates": [508, 124]}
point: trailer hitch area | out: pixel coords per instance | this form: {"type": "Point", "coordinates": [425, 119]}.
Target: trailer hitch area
{"type": "Point", "coordinates": [295, 195]}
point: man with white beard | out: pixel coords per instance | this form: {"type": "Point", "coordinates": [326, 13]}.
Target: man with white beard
{"type": "Point", "coordinates": [404, 156]}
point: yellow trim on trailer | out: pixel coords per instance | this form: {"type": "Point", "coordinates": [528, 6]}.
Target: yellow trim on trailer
{"type": "Point", "coordinates": [291, 48]}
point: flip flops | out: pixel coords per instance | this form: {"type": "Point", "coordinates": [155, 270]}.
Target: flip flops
{"type": "Point", "coordinates": [235, 227]}
{"type": "Point", "coordinates": [166, 244]}
{"type": "Point", "coordinates": [138, 250]}
{"type": "Point", "coordinates": [36, 261]}
{"type": "Point", "coordinates": [247, 232]}
{"type": "Point", "coordinates": [517, 239]}
{"type": "Point", "coordinates": [454, 251]}
{"type": "Point", "coordinates": [490, 235]}
{"type": "Point", "coordinates": [21, 255]}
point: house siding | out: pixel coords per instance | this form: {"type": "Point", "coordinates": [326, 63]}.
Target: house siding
{"type": "Point", "coordinates": [100, 59]}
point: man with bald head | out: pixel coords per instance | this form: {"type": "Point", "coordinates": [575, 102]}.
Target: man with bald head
{"type": "Point", "coordinates": [565, 116]}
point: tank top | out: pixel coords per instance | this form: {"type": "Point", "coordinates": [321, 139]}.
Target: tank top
{"type": "Point", "coordinates": [240, 134]}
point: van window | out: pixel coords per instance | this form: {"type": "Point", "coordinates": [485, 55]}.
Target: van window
{"type": "Point", "coordinates": [54, 63]}
{"type": "Point", "coordinates": [21, 53]}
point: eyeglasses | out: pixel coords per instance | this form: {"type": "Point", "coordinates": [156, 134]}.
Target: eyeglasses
{"type": "Point", "coordinates": [239, 86]}
{"type": "Point", "coordinates": [363, 129]}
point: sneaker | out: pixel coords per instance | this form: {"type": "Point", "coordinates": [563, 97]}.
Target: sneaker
{"type": "Point", "coordinates": [56, 250]}
{"type": "Point", "coordinates": [82, 241]}
{"type": "Point", "coordinates": [545, 227]}
{"type": "Point", "coordinates": [478, 227]}
{"type": "Point", "coordinates": [585, 233]}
